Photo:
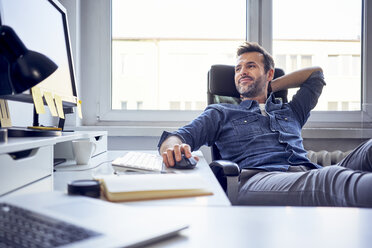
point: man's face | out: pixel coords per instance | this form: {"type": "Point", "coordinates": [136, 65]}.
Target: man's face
{"type": "Point", "coordinates": [250, 77]}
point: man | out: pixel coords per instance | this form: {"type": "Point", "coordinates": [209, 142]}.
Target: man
{"type": "Point", "coordinates": [263, 135]}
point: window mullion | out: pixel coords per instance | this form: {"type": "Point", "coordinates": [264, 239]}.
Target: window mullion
{"type": "Point", "coordinates": [259, 22]}
{"type": "Point", "coordinates": [367, 62]}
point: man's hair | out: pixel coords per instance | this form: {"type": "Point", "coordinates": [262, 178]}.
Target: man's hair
{"type": "Point", "coordinates": [254, 47]}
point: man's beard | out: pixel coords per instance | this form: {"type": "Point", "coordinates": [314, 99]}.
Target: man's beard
{"type": "Point", "coordinates": [252, 90]}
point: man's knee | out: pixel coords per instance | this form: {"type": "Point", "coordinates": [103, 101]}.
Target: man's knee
{"type": "Point", "coordinates": [367, 151]}
{"type": "Point", "coordinates": [326, 174]}
{"type": "Point", "coordinates": [360, 158]}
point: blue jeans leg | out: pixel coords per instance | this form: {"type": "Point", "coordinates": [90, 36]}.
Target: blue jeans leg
{"type": "Point", "coordinates": [360, 158]}
{"type": "Point", "coordinates": [329, 186]}
{"type": "Point", "coordinates": [348, 184]}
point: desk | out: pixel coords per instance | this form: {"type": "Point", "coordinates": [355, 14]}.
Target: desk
{"type": "Point", "coordinates": [26, 163]}
{"type": "Point", "coordinates": [67, 172]}
{"type": "Point", "coordinates": [256, 227]}
{"type": "Point", "coordinates": [287, 227]}
{"type": "Point", "coordinates": [213, 223]}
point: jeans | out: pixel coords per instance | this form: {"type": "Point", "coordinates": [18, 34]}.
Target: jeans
{"type": "Point", "coordinates": [348, 184]}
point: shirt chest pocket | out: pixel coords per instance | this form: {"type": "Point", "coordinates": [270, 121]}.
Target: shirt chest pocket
{"type": "Point", "coordinates": [287, 124]}
{"type": "Point", "coordinates": [247, 126]}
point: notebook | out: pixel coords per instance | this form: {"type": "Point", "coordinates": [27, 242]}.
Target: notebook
{"type": "Point", "coordinates": [115, 224]}
{"type": "Point", "coordinates": [152, 186]}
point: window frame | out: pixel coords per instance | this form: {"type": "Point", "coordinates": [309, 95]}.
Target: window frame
{"type": "Point", "coordinates": [259, 29]}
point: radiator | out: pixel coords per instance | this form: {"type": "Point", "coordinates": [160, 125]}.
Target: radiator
{"type": "Point", "coordinates": [326, 158]}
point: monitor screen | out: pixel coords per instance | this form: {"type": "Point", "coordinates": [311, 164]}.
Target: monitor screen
{"type": "Point", "coordinates": [42, 26]}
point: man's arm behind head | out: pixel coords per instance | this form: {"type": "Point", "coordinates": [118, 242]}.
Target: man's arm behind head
{"type": "Point", "coordinates": [294, 79]}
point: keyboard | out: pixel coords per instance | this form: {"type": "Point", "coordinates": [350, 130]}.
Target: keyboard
{"type": "Point", "coordinates": [139, 161]}
{"type": "Point", "coordinates": [20, 227]}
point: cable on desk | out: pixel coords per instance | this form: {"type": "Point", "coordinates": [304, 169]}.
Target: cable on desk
{"type": "Point", "coordinates": [86, 168]}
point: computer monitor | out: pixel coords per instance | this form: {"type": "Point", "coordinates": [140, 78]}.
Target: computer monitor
{"type": "Point", "coordinates": [42, 26]}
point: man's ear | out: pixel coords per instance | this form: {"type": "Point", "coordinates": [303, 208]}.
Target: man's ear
{"type": "Point", "coordinates": [270, 75]}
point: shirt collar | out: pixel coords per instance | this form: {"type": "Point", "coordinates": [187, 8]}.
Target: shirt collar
{"type": "Point", "coordinates": [272, 103]}
{"type": "Point", "coordinates": [247, 103]}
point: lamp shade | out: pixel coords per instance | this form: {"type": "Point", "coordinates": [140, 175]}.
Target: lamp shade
{"type": "Point", "coordinates": [29, 70]}
{"type": "Point", "coordinates": [5, 85]}
{"type": "Point", "coordinates": [26, 68]}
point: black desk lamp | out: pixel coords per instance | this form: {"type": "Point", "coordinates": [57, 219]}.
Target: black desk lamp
{"type": "Point", "coordinates": [20, 68]}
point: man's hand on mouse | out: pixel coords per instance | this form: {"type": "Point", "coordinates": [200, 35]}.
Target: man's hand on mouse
{"type": "Point", "coordinates": [174, 153]}
{"type": "Point", "coordinates": [171, 150]}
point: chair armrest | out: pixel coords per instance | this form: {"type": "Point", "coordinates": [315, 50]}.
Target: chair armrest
{"type": "Point", "coordinates": [227, 173]}
{"type": "Point", "coordinates": [229, 168]}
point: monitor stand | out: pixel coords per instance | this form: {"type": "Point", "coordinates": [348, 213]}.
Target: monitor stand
{"type": "Point", "coordinates": [31, 132]}
{"type": "Point", "coordinates": [35, 130]}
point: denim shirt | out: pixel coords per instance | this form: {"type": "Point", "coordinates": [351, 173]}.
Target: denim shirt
{"type": "Point", "coordinates": [245, 136]}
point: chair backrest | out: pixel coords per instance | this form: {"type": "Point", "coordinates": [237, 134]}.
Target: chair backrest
{"type": "Point", "coordinates": [221, 89]}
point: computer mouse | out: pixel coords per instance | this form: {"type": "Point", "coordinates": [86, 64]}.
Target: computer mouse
{"type": "Point", "coordinates": [185, 163]}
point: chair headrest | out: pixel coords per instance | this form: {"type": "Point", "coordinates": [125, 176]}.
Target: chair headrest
{"type": "Point", "coordinates": [221, 81]}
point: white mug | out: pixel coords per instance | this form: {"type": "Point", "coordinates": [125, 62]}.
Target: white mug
{"type": "Point", "coordinates": [83, 150]}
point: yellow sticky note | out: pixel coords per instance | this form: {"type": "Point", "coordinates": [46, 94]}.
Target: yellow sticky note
{"type": "Point", "coordinates": [58, 101]}
{"type": "Point", "coordinates": [80, 113]}
{"type": "Point", "coordinates": [3, 112]}
{"type": "Point", "coordinates": [5, 120]}
{"type": "Point", "coordinates": [37, 96]}
{"type": "Point", "coordinates": [49, 99]}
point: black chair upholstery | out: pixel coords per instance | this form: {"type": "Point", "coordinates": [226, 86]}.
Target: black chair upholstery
{"type": "Point", "coordinates": [221, 85]}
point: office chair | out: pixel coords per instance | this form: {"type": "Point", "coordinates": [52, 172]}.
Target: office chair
{"type": "Point", "coordinates": [221, 89]}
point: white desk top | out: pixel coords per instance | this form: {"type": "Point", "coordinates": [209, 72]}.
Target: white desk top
{"type": "Point", "coordinates": [23, 143]}
{"type": "Point", "coordinates": [69, 171]}
{"type": "Point", "coordinates": [305, 227]}
{"type": "Point", "coordinates": [264, 227]}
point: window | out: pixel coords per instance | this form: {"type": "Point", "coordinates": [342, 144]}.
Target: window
{"type": "Point", "coordinates": [108, 76]}
{"type": "Point", "coordinates": [345, 105]}
{"type": "Point", "coordinates": [355, 67]}
{"type": "Point", "coordinates": [332, 37]}
{"type": "Point", "coordinates": [201, 104]}
{"type": "Point", "coordinates": [280, 61]}
{"type": "Point", "coordinates": [332, 106]}
{"type": "Point", "coordinates": [124, 105]}
{"type": "Point", "coordinates": [175, 105]}
{"type": "Point", "coordinates": [139, 104]}
{"type": "Point", "coordinates": [161, 55]}
{"type": "Point", "coordinates": [333, 61]}
{"type": "Point", "coordinates": [188, 105]}
{"type": "Point", "coordinates": [292, 62]}
{"type": "Point", "coordinates": [306, 61]}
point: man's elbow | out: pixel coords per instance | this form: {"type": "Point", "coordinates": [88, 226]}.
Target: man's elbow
{"type": "Point", "coordinates": [318, 68]}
